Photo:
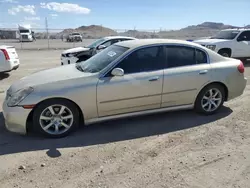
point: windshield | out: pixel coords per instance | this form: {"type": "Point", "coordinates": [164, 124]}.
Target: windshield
{"type": "Point", "coordinates": [24, 31]}
{"type": "Point", "coordinates": [75, 34]}
{"type": "Point", "coordinates": [96, 43]}
{"type": "Point", "coordinates": [230, 35]}
{"type": "Point", "coordinates": [102, 59]}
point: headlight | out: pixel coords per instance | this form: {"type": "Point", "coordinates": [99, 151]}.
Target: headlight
{"type": "Point", "coordinates": [18, 96]}
{"type": "Point", "coordinates": [72, 54]}
{"type": "Point", "coordinates": [211, 47]}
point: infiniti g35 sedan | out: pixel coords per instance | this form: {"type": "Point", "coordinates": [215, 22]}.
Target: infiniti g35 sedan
{"type": "Point", "coordinates": [126, 79]}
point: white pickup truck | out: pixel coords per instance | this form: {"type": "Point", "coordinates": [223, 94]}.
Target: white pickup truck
{"type": "Point", "coordinates": [233, 43]}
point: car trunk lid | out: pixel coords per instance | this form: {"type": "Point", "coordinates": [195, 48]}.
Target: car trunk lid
{"type": "Point", "coordinates": [11, 51]}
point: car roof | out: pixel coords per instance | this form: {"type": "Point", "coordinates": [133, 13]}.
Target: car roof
{"type": "Point", "coordinates": [132, 44]}
{"type": "Point", "coordinates": [145, 42]}
{"type": "Point", "coordinates": [118, 37]}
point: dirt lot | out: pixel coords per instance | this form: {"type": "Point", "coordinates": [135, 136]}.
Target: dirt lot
{"type": "Point", "coordinates": [44, 44]}
{"type": "Point", "coordinates": [170, 150]}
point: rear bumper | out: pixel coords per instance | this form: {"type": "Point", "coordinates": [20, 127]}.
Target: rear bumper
{"type": "Point", "coordinates": [10, 65]}
{"type": "Point", "coordinates": [238, 90]}
{"type": "Point", "coordinates": [15, 118]}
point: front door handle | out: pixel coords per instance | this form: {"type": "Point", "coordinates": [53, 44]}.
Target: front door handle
{"type": "Point", "coordinates": [203, 72]}
{"type": "Point", "coordinates": [154, 79]}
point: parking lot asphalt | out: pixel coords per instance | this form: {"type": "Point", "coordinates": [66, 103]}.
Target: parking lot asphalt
{"type": "Point", "coordinates": [176, 149]}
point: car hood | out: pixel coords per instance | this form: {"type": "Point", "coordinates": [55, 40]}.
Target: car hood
{"type": "Point", "coordinates": [74, 50]}
{"type": "Point", "coordinates": [60, 74]}
{"type": "Point", "coordinates": [210, 41]}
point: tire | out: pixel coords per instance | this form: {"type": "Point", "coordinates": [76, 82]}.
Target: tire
{"type": "Point", "coordinates": [225, 53]}
{"type": "Point", "coordinates": [56, 126]}
{"type": "Point", "coordinates": [202, 104]}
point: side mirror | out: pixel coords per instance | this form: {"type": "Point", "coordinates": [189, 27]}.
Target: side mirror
{"type": "Point", "coordinates": [117, 72]}
{"type": "Point", "coordinates": [101, 47]}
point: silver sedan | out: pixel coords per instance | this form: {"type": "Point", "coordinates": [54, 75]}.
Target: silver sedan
{"type": "Point", "coordinates": [126, 79]}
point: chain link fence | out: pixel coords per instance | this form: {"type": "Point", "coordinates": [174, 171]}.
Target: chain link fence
{"type": "Point", "coordinates": [57, 38]}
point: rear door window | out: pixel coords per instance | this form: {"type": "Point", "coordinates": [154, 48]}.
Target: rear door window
{"type": "Point", "coordinates": [180, 56]}
{"type": "Point", "coordinates": [201, 57]}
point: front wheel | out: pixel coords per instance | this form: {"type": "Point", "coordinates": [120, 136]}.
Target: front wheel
{"type": "Point", "coordinates": [210, 99]}
{"type": "Point", "coordinates": [56, 118]}
{"type": "Point", "coordinates": [225, 53]}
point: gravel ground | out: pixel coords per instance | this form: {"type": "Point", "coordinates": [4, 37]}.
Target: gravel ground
{"type": "Point", "coordinates": [170, 150]}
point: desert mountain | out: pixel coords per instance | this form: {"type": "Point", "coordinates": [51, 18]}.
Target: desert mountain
{"type": "Point", "coordinates": [91, 31]}
{"type": "Point", "coordinates": [205, 29]}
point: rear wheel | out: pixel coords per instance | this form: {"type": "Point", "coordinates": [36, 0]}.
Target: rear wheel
{"type": "Point", "coordinates": [210, 99]}
{"type": "Point", "coordinates": [56, 118]}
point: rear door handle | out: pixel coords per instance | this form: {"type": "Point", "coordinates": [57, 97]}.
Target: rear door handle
{"type": "Point", "coordinates": [154, 79]}
{"type": "Point", "coordinates": [203, 72]}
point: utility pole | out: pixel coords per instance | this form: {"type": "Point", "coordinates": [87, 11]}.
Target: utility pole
{"type": "Point", "coordinates": [47, 30]}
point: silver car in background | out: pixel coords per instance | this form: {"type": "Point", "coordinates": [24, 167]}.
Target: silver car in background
{"type": "Point", "coordinates": [126, 79]}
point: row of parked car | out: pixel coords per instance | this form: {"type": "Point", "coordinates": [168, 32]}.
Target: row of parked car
{"type": "Point", "coordinates": [122, 77]}
{"type": "Point", "coordinates": [228, 43]}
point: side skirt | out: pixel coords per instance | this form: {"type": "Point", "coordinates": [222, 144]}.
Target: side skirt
{"type": "Point", "coordinates": [141, 113]}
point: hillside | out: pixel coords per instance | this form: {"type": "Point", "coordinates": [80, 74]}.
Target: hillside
{"type": "Point", "coordinates": [205, 29]}
{"type": "Point", "coordinates": [92, 31]}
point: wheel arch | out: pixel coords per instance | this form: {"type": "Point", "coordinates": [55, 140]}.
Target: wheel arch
{"type": "Point", "coordinates": [29, 125]}
{"type": "Point", "coordinates": [211, 83]}
{"type": "Point", "coordinates": [226, 49]}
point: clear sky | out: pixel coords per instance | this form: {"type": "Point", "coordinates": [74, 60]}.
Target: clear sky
{"type": "Point", "coordinates": [123, 14]}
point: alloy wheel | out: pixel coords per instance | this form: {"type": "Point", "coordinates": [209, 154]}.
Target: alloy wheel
{"type": "Point", "coordinates": [56, 119]}
{"type": "Point", "coordinates": [211, 100]}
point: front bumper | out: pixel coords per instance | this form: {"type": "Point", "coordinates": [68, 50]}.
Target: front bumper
{"type": "Point", "coordinates": [68, 60]}
{"type": "Point", "coordinates": [15, 118]}
{"type": "Point", "coordinates": [26, 40]}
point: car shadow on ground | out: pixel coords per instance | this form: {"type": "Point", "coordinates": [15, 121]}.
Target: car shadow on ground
{"type": "Point", "coordinates": [107, 132]}
{"type": "Point", "coordinates": [4, 76]}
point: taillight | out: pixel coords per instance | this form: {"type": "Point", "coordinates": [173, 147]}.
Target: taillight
{"type": "Point", "coordinates": [241, 68]}
{"type": "Point", "coordinates": [6, 55]}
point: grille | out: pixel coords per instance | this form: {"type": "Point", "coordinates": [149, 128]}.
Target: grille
{"type": "Point", "coordinates": [25, 36]}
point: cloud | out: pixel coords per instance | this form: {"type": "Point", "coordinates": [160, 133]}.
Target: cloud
{"type": "Point", "coordinates": [32, 18]}
{"type": "Point", "coordinates": [65, 7]}
{"type": "Point", "coordinates": [53, 15]}
{"type": "Point", "coordinates": [32, 24]}
{"type": "Point", "coordinates": [30, 9]}
{"type": "Point", "coordinates": [8, 1]}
